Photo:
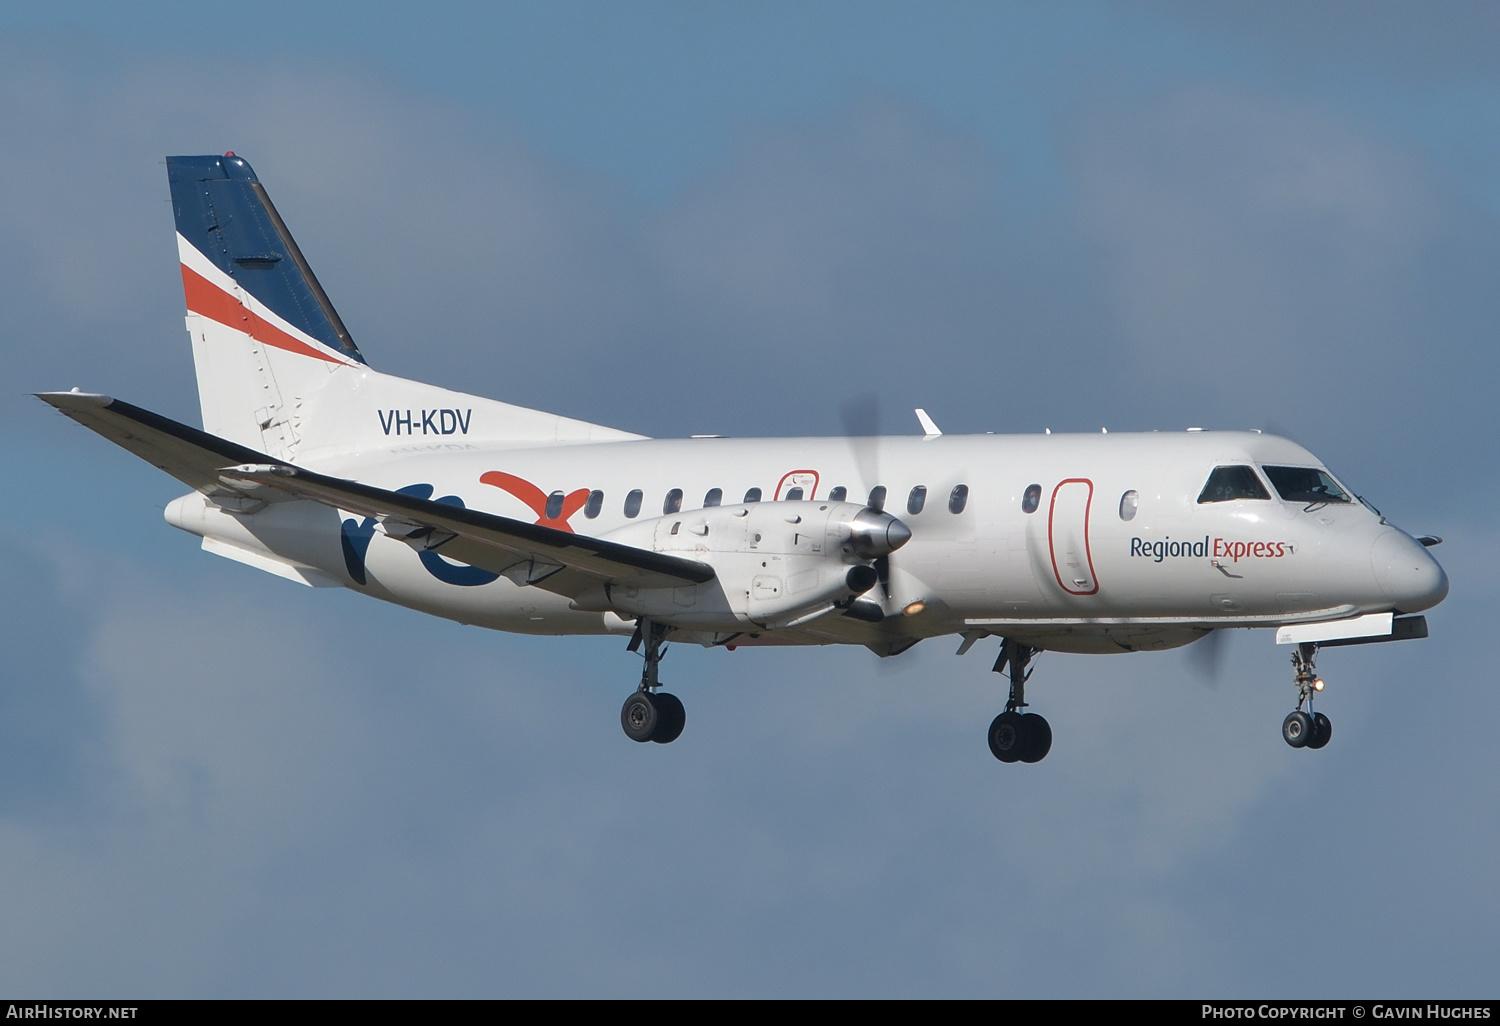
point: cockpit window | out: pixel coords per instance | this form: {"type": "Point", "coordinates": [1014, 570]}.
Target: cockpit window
{"type": "Point", "coordinates": [1305, 484]}
{"type": "Point", "coordinates": [1228, 483]}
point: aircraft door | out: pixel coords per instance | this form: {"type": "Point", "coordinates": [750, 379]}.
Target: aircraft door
{"type": "Point", "coordinates": [1068, 536]}
{"type": "Point", "coordinates": [798, 484]}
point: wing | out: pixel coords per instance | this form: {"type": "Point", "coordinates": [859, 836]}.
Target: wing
{"type": "Point", "coordinates": [558, 561]}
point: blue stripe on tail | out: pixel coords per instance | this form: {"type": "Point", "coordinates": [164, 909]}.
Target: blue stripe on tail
{"type": "Point", "coordinates": [223, 210]}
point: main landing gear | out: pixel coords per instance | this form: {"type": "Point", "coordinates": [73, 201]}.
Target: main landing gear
{"type": "Point", "coordinates": [651, 715]}
{"type": "Point", "coordinates": [1016, 736]}
{"type": "Point", "coordinates": [1306, 729]}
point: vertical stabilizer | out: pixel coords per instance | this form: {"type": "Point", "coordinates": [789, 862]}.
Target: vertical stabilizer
{"type": "Point", "coordinates": [264, 334]}
{"type": "Point", "coordinates": [277, 370]}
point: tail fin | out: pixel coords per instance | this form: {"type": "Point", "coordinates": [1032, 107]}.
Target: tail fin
{"type": "Point", "coordinates": [260, 322]}
{"type": "Point", "coordinates": [277, 370]}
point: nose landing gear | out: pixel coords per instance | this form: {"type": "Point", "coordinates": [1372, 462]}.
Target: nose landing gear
{"type": "Point", "coordinates": [1306, 729]}
{"type": "Point", "coordinates": [1016, 736]}
{"type": "Point", "coordinates": [648, 714]}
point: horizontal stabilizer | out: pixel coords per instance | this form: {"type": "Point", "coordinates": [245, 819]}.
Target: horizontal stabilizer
{"type": "Point", "coordinates": [188, 454]}
{"type": "Point", "coordinates": [568, 563]}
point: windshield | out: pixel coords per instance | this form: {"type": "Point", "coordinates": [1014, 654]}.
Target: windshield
{"type": "Point", "coordinates": [1305, 484]}
{"type": "Point", "coordinates": [1226, 484]}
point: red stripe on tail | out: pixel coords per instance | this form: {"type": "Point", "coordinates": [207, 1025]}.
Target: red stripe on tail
{"type": "Point", "coordinates": [208, 300]}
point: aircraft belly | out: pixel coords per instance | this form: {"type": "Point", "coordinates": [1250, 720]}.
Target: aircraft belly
{"type": "Point", "coordinates": [395, 574]}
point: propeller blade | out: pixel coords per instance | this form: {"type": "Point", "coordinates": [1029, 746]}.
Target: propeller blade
{"type": "Point", "coordinates": [1206, 656]}
{"type": "Point", "coordinates": [1273, 427]}
{"type": "Point", "coordinates": [861, 417]}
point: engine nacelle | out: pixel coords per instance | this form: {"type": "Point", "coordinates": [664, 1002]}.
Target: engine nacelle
{"type": "Point", "coordinates": [777, 564]}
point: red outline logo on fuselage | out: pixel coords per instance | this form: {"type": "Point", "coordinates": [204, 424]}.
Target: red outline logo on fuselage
{"type": "Point", "coordinates": [536, 499]}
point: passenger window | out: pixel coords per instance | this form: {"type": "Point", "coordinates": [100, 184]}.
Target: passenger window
{"type": "Point", "coordinates": [1031, 499]}
{"type": "Point", "coordinates": [794, 494]}
{"type": "Point", "coordinates": [594, 505]}
{"type": "Point", "coordinates": [916, 500]}
{"type": "Point", "coordinates": [713, 498]}
{"type": "Point", "coordinates": [1305, 484]}
{"type": "Point", "coordinates": [1226, 484]}
{"type": "Point", "coordinates": [633, 503]}
{"type": "Point", "coordinates": [958, 498]}
{"type": "Point", "coordinates": [753, 495]}
{"type": "Point", "coordinates": [839, 494]}
{"type": "Point", "coordinates": [1128, 503]}
{"type": "Point", "coordinates": [877, 498]}
{"type": "Point", "coordinates": [673, 503]}
{"type": "Point", "coordinates": [554, 506]}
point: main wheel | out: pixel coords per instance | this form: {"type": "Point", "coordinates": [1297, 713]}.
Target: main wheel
{"type": "Point", "coordinates": [1007, 737]}
{"type": "Point", "coordinates": [670, 718]}
{"type": "Point", "coordinates": [1036, 734]}
{"type": "Point", "coordinates": [1322, 731]}
{"type": "Point", "coordinates": [1297, 729]}
{"type": "Point", "coordinates": [639, 716]}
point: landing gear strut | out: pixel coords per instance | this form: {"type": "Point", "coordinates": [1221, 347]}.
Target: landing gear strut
{"type": "Point", "coordinates": [1306, 729]}
{"type": "Point", "coordinates": [651, 715]}
{"type": "Point", "coordinates": [1016, 736]}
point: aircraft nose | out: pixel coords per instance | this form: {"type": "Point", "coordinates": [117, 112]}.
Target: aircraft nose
{"type": "Point", "coordinates": [1407, 573]}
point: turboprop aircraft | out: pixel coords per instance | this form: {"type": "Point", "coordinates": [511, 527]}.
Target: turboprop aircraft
{"type": "Point", "coordinates": [313, 466]}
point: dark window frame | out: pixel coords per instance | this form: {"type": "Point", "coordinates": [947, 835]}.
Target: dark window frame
{"type": "Point", "coordinates": [1031, 499]}
{"type": "Point", "coordinates": [958, 499]}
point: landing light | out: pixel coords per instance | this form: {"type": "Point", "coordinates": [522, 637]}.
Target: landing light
{"type": "Point", "coordinates": [1318, 684]}
{"type": "Point", "coordinates": [914, 609]}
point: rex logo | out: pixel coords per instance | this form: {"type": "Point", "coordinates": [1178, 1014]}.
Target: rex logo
{"type": "Point", "coordinates": [552, 510]}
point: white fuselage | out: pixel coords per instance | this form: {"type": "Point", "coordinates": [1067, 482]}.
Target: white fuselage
{"type": "Point", "coordinates": [1073, 573]}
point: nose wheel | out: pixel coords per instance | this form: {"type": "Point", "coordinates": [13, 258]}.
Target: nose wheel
{"type": "Point", "coordinates": [649, 714]}
{"type": "Point", "coordinates": [1306, 728]}
{"type": "Point", "coordinates": [1016, 736]}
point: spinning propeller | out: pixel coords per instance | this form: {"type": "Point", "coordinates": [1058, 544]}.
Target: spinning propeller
{"type": "Point", "coordinates": [861, 417]}
{"type": "Point", "coordinates": [1206, 656]}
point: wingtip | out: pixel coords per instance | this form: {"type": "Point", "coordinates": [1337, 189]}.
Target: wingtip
{"type": "Point", "coordinates": [74, 399]}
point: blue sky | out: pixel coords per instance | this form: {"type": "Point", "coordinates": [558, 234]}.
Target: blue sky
{"type": "Point", "coordinates": [680, 218]}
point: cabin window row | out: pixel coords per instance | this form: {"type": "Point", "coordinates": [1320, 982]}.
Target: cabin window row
{"type": "Point", "coordinates": [916, 500]}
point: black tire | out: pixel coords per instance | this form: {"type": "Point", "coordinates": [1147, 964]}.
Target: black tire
{"type": "Point", "coordinates": [1007, 737]}
{"type": "Point", "coordinates": [671, 717]}
{"type": "Point", "coordinates": [639, 716]}
{"type": "Point", "coordinates": [1297, 729]}
{"type": "Point", "coordinates": [1322, 731]}
{"type": "Point", "coordinates": [1037, 735]}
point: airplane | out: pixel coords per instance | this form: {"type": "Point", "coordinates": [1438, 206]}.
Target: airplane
{"type": "Point", "coordinates": [313, 466]}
